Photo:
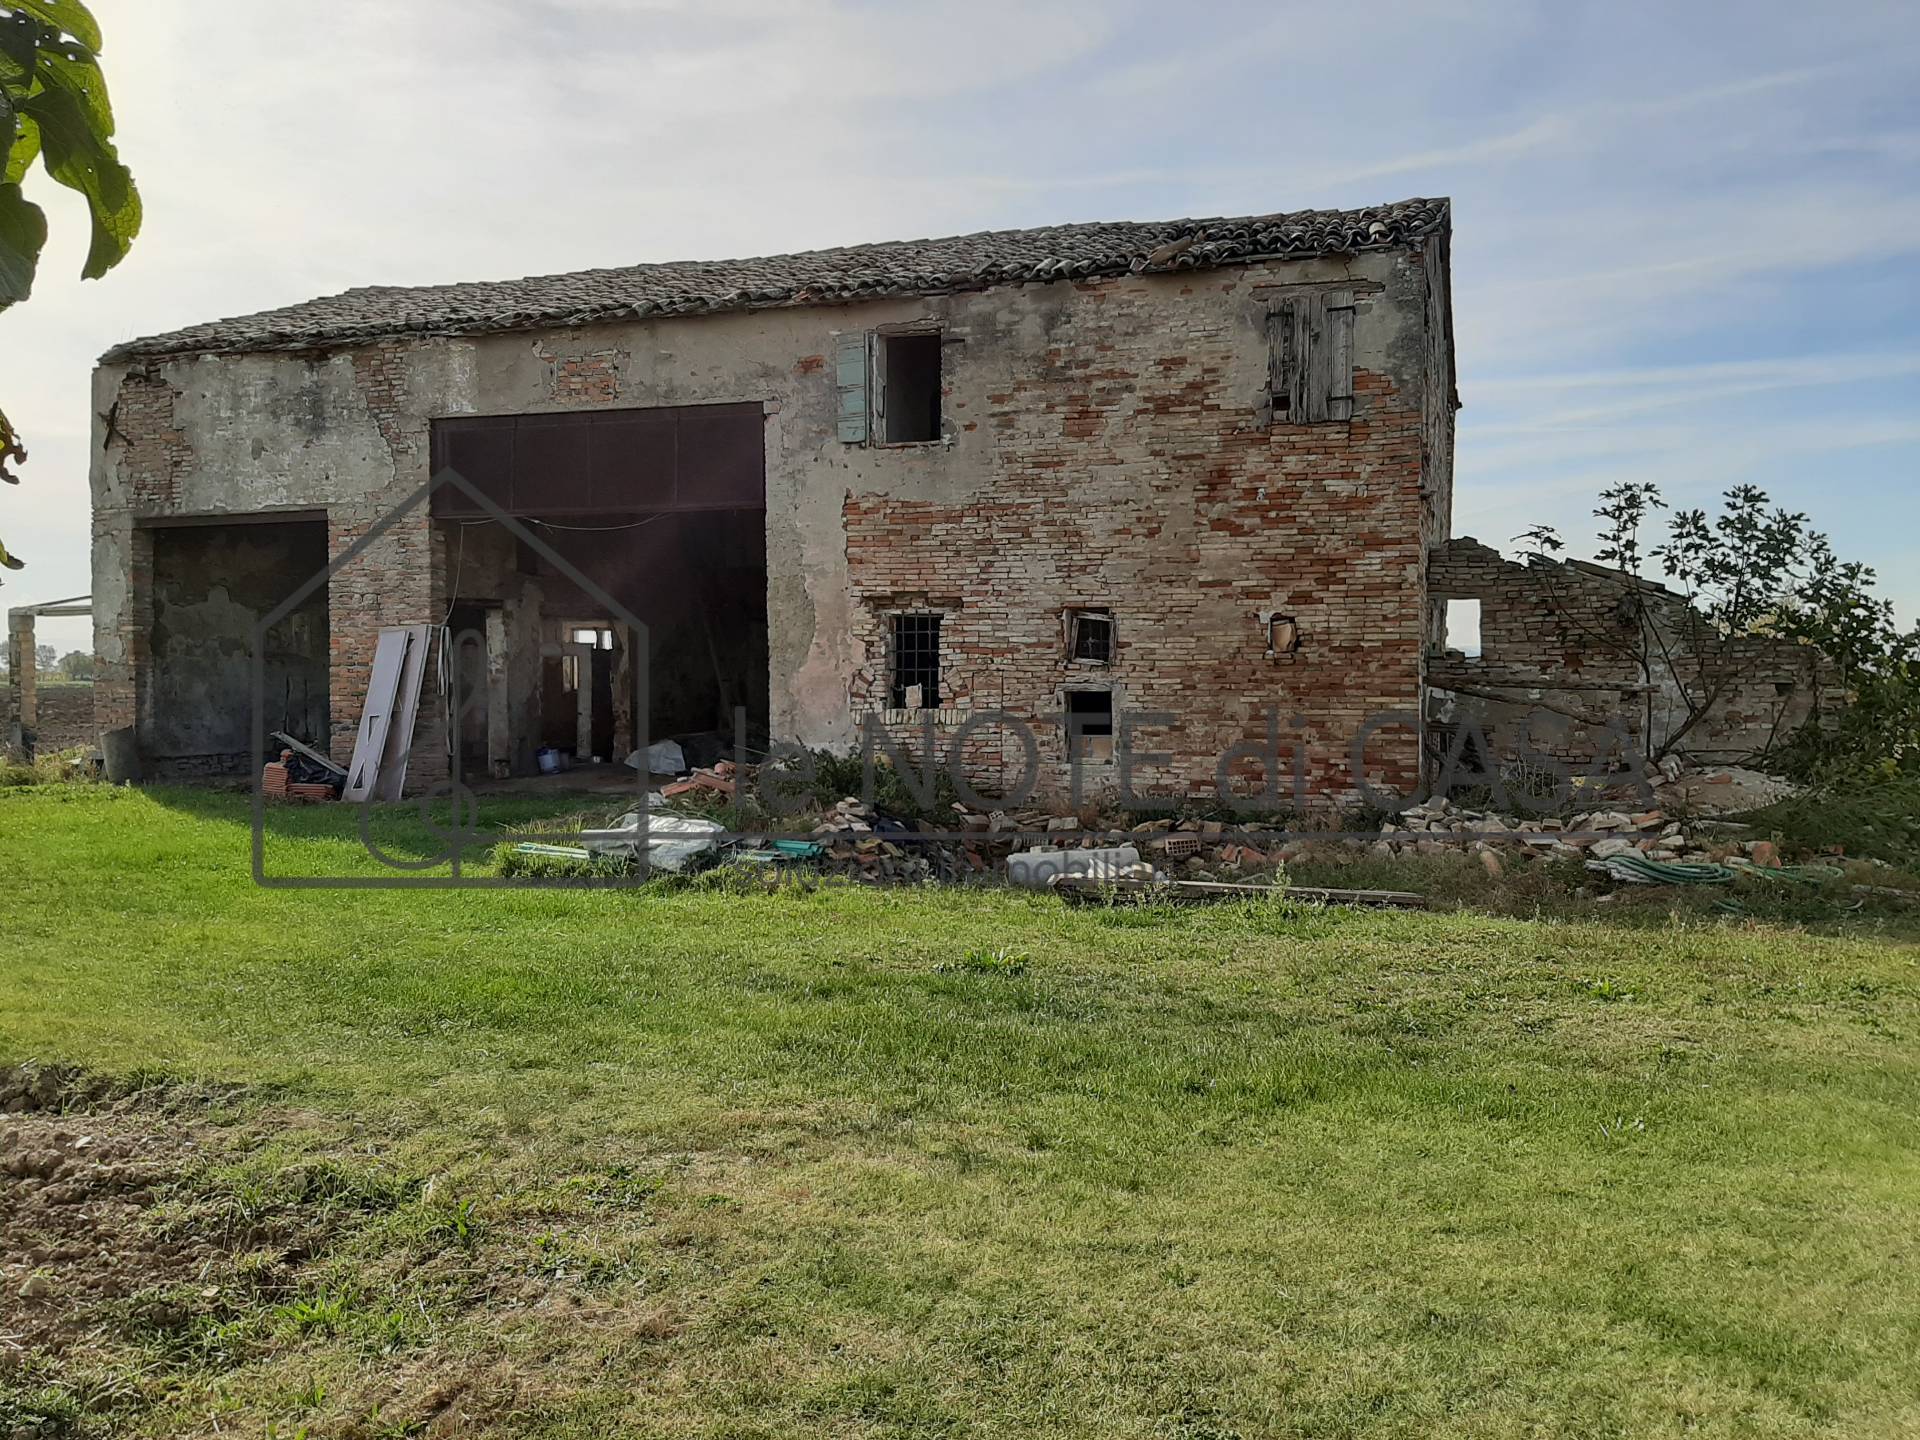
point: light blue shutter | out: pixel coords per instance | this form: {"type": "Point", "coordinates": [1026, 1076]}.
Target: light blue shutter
{"type": "Point", "coordinates": [850, 374]}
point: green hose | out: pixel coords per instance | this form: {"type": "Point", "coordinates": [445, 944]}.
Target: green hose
{"type": "Point", "coordinates": [1640, 870]}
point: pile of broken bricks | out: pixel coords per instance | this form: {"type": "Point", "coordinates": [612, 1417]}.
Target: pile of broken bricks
{"type": "Point", "coordinates": [1438, 825]}
{"type": "Point", "coordinates": [860, 842]}
{"type": "Point", "coordinates": [718, 779]}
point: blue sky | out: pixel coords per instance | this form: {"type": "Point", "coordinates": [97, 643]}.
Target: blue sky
{"type": "Point", "coordinates": [1686, 235]}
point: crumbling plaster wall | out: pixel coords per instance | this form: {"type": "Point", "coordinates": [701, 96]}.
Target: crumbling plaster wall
{"type": "Point", "coordinates": [1106, 443]}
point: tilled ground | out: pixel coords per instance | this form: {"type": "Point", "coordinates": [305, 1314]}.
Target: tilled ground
{"type": "Point", "coordinates": [160, 1255]}
{"type": "Point", "coordinates": [87, 1170]}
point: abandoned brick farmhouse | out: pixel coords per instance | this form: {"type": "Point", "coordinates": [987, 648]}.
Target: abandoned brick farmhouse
{"type": "Point", "coordinates": [1198, 470]}
{"type": "Point", "coordinates": [1191, 468]}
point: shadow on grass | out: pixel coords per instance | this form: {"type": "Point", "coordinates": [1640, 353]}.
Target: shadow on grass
{"type": "Point", "coordinates": [354, 841]}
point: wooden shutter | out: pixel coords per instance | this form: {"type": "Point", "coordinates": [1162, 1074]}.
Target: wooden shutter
{"type": "Point", "coordinates": [850, 375]}
{"type": "Point", "coordinates": [1310, 356]}
{"type": "Point", "coordinates": [1339, 312]}
{"type": "Point", "coordinates": [1287, 354]}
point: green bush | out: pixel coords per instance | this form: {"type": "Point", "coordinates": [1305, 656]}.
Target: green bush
{"type": "Point", "coordinates": [1865, 820]}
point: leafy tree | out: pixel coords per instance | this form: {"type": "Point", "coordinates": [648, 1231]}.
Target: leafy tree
{"type": "Point", "coordinates": [44, 657]}
{"type": "Point", "coordinates": [54, 109]}
{"type": "Point", "coordinates": [1751, 572]}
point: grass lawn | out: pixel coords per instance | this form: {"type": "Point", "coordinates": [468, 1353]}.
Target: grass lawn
{"type": "Point", "coordinates": [876, 1163]}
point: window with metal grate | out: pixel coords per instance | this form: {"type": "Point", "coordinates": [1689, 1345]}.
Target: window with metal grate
{"type": "Point", "coordinates": [916, 662]}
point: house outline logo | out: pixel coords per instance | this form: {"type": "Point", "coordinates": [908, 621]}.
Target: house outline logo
{"type": "Point", "coordinates": [462, 831]}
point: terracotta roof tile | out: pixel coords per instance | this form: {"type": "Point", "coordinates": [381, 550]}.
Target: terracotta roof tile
{"type": "Point", "coordinates": [815, 277]}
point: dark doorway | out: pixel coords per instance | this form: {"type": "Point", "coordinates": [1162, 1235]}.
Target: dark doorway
{"type": "Point", "coordinates": [212, 584]}
{"type": "Point", "coordinates": [664, 512]}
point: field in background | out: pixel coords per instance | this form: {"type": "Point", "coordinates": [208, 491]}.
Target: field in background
{"type": "Point", "coordinates": [860, 1162]}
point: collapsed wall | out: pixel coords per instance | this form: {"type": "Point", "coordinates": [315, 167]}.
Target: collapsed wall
{"type": "Point", "coordinates": [1578, 661]}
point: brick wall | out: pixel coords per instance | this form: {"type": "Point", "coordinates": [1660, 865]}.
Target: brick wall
{"type": "Point", "coordinates": [1134, 477]}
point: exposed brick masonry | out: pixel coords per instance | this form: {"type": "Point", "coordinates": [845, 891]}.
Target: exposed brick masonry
{"type": "Point", "coordinates": [1136, 480]}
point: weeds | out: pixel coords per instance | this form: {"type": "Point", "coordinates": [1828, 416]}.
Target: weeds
{"type": "Point", "coordinates": [62, 767]}
{"type": "Point", "coordinates": [999, 960]}
{"type": "Point", "coordinates": [1603, 989]}
{"type": "Point", "coordinates": [1879, 821]}
{"type": "Point", "coordinates": [320, 1314]}
{"type": "Point", "coordinates": [458, 1224]}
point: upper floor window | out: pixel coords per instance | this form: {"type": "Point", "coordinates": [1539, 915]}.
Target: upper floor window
{"type": "Point", "coordinates": [1310, 356]}
{"type": "Point", "coordinates": [1090, 636]}
{"type": "Point", "coordinates": [890, 384]}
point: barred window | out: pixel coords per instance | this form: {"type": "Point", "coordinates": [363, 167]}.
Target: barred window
{"type": "Point", "coordinates": [916, 662]}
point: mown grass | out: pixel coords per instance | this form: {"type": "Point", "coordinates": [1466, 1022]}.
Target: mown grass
{"type": "Point", "coordinates": [972, 1163]}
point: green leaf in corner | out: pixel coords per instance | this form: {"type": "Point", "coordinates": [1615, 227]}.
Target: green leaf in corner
{"type": "Point", "coordinates": [80, 156]}
{"type": "Point", "coordinates": [10, 449]}
{"type": "Point", "coordinates": [70, 17]}
{"type": "Point", "coordinates": [79, 75]}
{"type": "Point", "coordinates": [20, 40]}
{"type": "Point", "coordinates": [23, 234]}
{"type": "Point", "coordinates": [26, 149]}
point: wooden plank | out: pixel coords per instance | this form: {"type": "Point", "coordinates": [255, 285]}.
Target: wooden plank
{"type": "Point", "coordinates": [301, 748]}
{"type": "Point", "coordinates": [1340, 314]}
{"type": "Point", "coordinates": [376, 715]}
{"type": "Point", "coordinates": [406, 710]}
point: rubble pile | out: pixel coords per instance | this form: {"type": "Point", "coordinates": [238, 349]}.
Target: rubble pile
{"type": "Point", "coordinates": [1437, 825]}
{"type": "Point", "coordinates": [1722, 790]}
{"type": "Point", "coordinates": [863, 843]}
{"type": "Point", "coordinates": [1034, 847]}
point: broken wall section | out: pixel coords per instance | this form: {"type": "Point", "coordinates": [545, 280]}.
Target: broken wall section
{"type": "Point", "coordinates": [1561, 673]}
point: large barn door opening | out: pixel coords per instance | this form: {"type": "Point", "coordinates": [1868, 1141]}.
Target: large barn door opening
{"type": "Point", "coordinates": [664, 511]}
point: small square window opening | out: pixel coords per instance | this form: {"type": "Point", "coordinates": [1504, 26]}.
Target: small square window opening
{"type": "Point", "coordinates": [910, 378]}
{"type": "Point", "coordinates": [1090, 636]}
{"type": "Point", "coordinates": [1463, 627]}
{"type": "Point", "coordinates": [916, 662]}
